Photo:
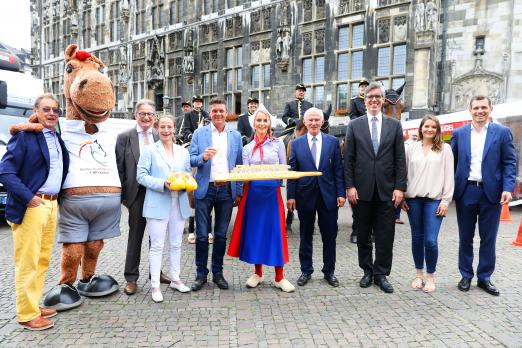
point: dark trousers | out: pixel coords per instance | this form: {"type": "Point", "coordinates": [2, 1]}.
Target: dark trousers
{"type": "Point", "coordinates": [219, 199]}
{"type": "Point", "coordinates": [471, 206]}
{"type": "Point", "coordinates": [137, 225]}
{"type": "Point", "coordinates": [377, 217]}
{"type": "Point", "coordinates": [327, 220]}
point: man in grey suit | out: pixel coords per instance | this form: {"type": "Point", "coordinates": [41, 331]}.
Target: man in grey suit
{"type": "Point", "coordinates": [375, 174]}
{"type": "Point", "coordinates": [128, 147]}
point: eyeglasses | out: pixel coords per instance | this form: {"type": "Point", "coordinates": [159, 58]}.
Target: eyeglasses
{"type": "Point", "coordinates": [375, 96]}
{"type": "Point", "coordinates": [47, 109]}
{"type": "Point", "coordinates": [143, 114]}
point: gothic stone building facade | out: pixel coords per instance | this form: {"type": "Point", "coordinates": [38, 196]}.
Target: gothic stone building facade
{"type": "Point", "coordinates": [443, 50]}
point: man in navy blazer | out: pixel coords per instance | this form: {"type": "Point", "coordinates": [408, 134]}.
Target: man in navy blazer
{"type": "Point", "coordinates": [323, 195]}
{"type": "Point", "coordinates": [33, 171]}
{"type": "Point", "coordinates": [485, 169]}
{"type": "Point", "coordinates": [214, 149]}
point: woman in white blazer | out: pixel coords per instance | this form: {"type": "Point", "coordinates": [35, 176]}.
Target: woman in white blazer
{"type": "Point", "coordinates": [164, 209]}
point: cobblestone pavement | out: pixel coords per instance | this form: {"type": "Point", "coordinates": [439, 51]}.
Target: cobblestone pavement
{"type": "Point", "coordinates": [315, 315]}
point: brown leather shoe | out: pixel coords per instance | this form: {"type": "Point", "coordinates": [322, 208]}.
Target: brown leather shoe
{"type": "Point", "coordinates": [130, 288]}
{"type": "Point", "coordinates": [47, 312]}
{"type": "Point", "coordinates": [37, 324]}
{"type": "Point", "coordinates": [164, 279]}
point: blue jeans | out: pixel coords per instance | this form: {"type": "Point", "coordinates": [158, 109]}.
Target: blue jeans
{"type": "Point", "coordinates": [425, 226]}
{"type": "Point", "coordinates": [220, 199]}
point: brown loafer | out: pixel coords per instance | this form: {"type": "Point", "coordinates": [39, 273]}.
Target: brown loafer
{"type": "Point", "coordinates": [37, 324]}
{"type": "Point", "coordinates": [130, 288]}
{"type": "Point", "coordinates": [47, 312]}
{"type": "Point", "coordinates": [164, 279]}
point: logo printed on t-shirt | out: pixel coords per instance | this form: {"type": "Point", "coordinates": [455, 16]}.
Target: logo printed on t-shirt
{"type": "Point", "coordinates": [96, 151]}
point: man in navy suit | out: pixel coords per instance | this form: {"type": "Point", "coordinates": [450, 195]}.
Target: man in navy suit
{"type": "Point", "coordinates": [33, 171]}
{"type": "Point", "coordinates": [215, 149]}
{"type": "Point", "coordinates": [485, 167]}
{"type": "Point", "coordinates": [323, 195]}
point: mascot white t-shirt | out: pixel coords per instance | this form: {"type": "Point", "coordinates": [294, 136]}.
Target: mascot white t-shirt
{"type": "Point", "coordinates": [92, 156]}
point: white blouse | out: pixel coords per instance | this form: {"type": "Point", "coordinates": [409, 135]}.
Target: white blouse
{"type": "Point", "coordinates": [430, 175]}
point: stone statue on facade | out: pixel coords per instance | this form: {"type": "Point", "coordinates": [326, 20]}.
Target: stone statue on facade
{"type": "Point", "coordinates": [419, 17]}
{"type": "Point", "coordinates": [188, 62]}
{"type": "Point", "coordinates": [431, 16]}
{"type": "Point", "coordinates": [122, 79]}
{"type": "Point", "coordinates": [155, 64]}
{"type": "Point", "coordinates": [287, 42]}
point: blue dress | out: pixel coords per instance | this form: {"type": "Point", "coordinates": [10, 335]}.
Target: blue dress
{"type": "Point", "coordinates": [259, 235]}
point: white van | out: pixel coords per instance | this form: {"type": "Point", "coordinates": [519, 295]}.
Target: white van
{"type": "Point", "coordinates": [17, 94]}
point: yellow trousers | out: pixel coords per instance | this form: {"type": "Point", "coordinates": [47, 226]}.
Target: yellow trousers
{"type": "Point", "coordinates": [33, 242]}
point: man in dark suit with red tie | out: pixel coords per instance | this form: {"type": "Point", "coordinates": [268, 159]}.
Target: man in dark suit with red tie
{"type": "Point", "coordinates": [321, 196]}
{"type": "Point", "coordinates": [375, 173]}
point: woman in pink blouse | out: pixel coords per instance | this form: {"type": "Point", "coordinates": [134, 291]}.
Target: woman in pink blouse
{"type": "Point", "coordinates": [430, 189]}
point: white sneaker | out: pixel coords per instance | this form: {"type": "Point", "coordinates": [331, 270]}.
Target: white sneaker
{"type": "Point", "coordinates": [180, 287]}
{"type": "Point", "coordinates": [284, 285]}
{"type": "Point", "coordinates": [210, 238]}
{"type": "Point", "coordinates": [253, 281]}
{"type": "Point", "coordinates": [191, 238]}
{"type": "Point", "coordinates": [157, 296]}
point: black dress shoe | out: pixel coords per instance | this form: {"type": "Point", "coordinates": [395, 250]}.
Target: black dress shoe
{"type": "Point", "coordinates": [198, 283]}
{"type": "Point", "coordinates": [488, 287]}
{"type": "Point", "coordinates": [353, 238]}
{"type": "Point", "coordinates": [383, 283]}
{"type": "Point", "coordinates": [303, 279]}
{"type": "Point", "coordinates": [464, 284]}
{"type": "Point", "coordinates": [220, 281]}
{"type": "Point", "coordinates": [366, 280]}
{"type": "Point", "coordinates": [331, 279]}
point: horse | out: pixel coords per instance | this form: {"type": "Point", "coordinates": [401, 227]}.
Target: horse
{"type": "Point", "coordinates": [393, 105]}
{"type": "Point", "coordinates": [287, 136]}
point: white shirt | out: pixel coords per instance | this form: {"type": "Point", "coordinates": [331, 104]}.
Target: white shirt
{"type": "Point", "coordinates": [92, 157]}
{"type": "Point", "coordinates": [430, 175]}
{"type": "Point", "coordinates": [478, 141]}
{"type": "Point", "coordinates": [141, 136]}
{"type": "Point", "coordinates": [379, 125]}
{"type": "Point", "coordinates": [318, 145]}
{"type": "Point", "coordinates": [219, 163]}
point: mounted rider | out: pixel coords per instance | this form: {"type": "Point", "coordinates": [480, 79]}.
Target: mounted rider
{"type": "Point", "coordinates": [245, 122]}
{"type": "Point", "coordinates": [194, 119]}
{"type": "Point", "coordinates": [295, 109]}
{"type": "Point", "coordinates": [357, 107]}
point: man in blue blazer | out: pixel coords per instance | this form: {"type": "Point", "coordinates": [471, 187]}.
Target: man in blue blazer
{"type": "Point", "coordinates": [33, 171]}
{"type": "Point", "coordinates": [485, 168]}
{"type": "Point", "coordinates": [214, 149]}
{"type": "Point", "coordinates": [323, 195]}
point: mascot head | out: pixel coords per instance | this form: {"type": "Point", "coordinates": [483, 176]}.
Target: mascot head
{"type": "Point", "coordinates": [89, 93]}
